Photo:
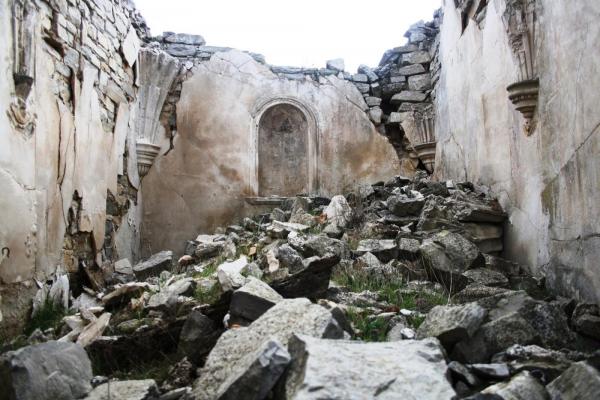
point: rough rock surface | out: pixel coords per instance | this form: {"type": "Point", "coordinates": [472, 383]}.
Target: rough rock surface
{"type": "Point", "coordinates": [125, 390]}
{"type": "Point", "coordinates": [328, 369]}
{"type": "Point", "coordinates": [51, 370]}
{"type": "Point", "coordinates": [451, 324]}
{"type": "Point", "coordinates": [580, 381]}
{"type": "Point", "coordinates": [280, 322]}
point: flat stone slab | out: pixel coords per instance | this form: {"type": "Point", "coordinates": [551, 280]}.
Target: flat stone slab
{"type": "Point", "coordinates": [340, 369]}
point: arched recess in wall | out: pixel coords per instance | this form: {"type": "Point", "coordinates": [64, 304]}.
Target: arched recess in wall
{"type": "Point", "coordinates": [285, 138]}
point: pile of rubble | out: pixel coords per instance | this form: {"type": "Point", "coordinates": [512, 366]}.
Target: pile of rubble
{"type": "Point", "coordinates": [393, 291]}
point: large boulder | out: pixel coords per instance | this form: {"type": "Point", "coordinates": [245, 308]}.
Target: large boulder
{"type": "Point", "coordinates": [447, 256]}
{"type": "Point", "coordinates": [580, 382]}
{"type": "Point", "coordinates": [451, 324]}
{"type": "Point", "coordinates": [318, 245]}
{"type": "Point", "coordinates": [236, 349]}
{"type": "Point", "coordinates": [586, 320]}
{"type": "Point", "coordinates": [51, 370]}
{"type": "Point", "coordinates": [515, 318]}
{"type": "Point", "coordinates": [339, 369]}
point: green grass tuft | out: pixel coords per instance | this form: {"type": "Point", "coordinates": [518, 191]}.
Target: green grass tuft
{"type": "Point", "coordinates": [49, 315]}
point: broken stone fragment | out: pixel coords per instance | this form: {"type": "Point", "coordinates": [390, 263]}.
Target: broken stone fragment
{"type": "Point", "coordinates": [123, 293]}
{"type": "Point", "coordinates": [528, 358]}
{"type": "Point", "coordinates": [411, 70]}
{"type": "Point", "coordinates": [364, 69]}
{"type": "Point", "coordinates": [252, 300]}
{"type": "Point", "coordinates": [224, 363]}
{"type": "Point", "coordinates": [198, 336]}
{"type": "Point", "coordinates": [124, 267]}
{"type": "Point", "coordinates": [373, 101]}
{"type": "Point", "coordinates": [521, 387]}
{"type": "Point", "coordinates": [495, 371]}
{"type": "Point", "coordinates": [51, 370]}
{"type": "Point", "coordinates": [336, 64]}
{"type": "Point", "coordinates": [230, 274]}
{"type": "Point", "coordinates": [125, 390]}
{"type": "Point", "coordinates": [447, 256]}
{"type": "Point", "coordinates": [337, 369]}
{"type": "Point", "coordinates": [486, 277]}
{"type": "Point", "coordinates": [451, 324]}
{"type": "Point", "coordinates": [338, 211]}
{"type": "Point", "coordinates": [154, 265]}
{"type": "Point", "coordinates": [403, 206]}
{"type": "Point", "coordinates": [311, 281]}
{"type": "Point", "coordinates": [408, 249]}
{"type": "Point", "coordinates": [184, 38]}
{"type": "Point", "coordinates": [580, 382]}
{"type": "Point", "coordinates": [375, 114]}
{"type": "Point", "coordinates": [586, 320]}
{"type": "Point", "coordinates": [385, 250]}
{"type": "Point", "coordinates": [256, 374]}
{"type": "Point", "coordinates": [461, 372]}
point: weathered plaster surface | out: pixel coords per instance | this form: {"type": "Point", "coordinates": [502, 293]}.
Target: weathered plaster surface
{"type": "Point", "coordinates": [202, 182]}
{"type": "Point", "coordinates": [549, 181]}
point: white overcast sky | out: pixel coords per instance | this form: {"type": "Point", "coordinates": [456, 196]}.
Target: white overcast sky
{"type": "Point", "coordinates": [297, 33]}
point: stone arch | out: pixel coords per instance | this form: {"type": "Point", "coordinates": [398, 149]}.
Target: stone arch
{"type": "Point", "coordinates": [285, 133]}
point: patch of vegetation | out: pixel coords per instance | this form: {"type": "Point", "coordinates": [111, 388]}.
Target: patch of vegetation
{"type": "Point", "coordinates": [415, 321]}
{"type": "Point", "coordinates": [389, 291]}
{"type": "Point", "coordinates": [208, 296]}
{"type": "Point", "coordinates": [157, 369]}
{"type": "Point", "coordinates": [368, 329]}
{"type": "Point", "coordinates": [49, 315]}
{"type": "Point", "coordinates": [211, 267]}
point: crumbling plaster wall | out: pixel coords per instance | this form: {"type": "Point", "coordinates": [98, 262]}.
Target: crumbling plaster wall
{"type": "Point", "coordinates": [62, 149]}
{"type": "Point", "coordinates": [202, 182]}
{"type": "Point", "coordinates": [549, 182]}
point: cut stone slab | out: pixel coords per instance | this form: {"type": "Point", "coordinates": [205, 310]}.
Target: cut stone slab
{"type": "Point", "coordinates": [131, 47]}
{"type": "Point", "coordinates": [385, 250]}
{"type": "Point", "coordinates": [521, 387]}
{"type": "Point", "coordinates": [51, 370]}
{"type": "Point", "coordinates": [198, 336]}
{"type": "Point", "coordinates": [411, 70]}
{"type": "Point", "coordinates": [291, 226]}
{"type": "Point", "coordinates": [340, 369]}
{"type": "Point", "coordinates": [253, 299]}
{"type": "Point", "coordinates": [184, 38]}
{"type": "Point", "coordinates": [124, 267]}
{"type": "Point", "coordinates": [419, 82]}
{"type": "Point", "coordinates": [125, 390]}
{"type": "Point", "coordinates": [153, 266]}
{"type": "Point", "coordinates": [278, 323]}
{"type": "Point", "coordinates": [408, 96]}
{"type": "Point", "coordinates": [447, 256]}
{"type": "Point", "coordinates": [373, 101]}
{"type": "Point", "coordinates": [580, 382]}
{"type": "Point", "coordinates": [262, 370]}
{"type": "Point", "coordinates": [416, 57]}
{"type": "Point", "coordinates": [451, 324]}
{"type": "Point", "coordinates": [376, 114]}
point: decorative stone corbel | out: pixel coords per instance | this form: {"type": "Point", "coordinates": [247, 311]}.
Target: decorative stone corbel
{"type": "Point", "coordinates": [24, 28]}
{"type": "Point", "coordinates": [157, 71]}
{"type": "Point", "coordinates": [520, 20]}
{"type": "Point", "coordinates": [419, 128]}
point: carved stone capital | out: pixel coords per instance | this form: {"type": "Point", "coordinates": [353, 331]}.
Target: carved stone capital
{"type": "Point", "coordinates": [419, 128]}
{"type": "Point", "coordinates": [20, 117]}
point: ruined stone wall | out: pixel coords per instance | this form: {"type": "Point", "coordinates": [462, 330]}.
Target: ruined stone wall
{"type": "Point", "coordinates": [67, 99]}
{"type": "Point", "coordinates": [209, 168]}
{"type": "Point", "coordinates": [546, 178]}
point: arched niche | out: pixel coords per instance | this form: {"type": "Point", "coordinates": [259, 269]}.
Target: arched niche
{"type": "Point", "coordinates": [285, 140]}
